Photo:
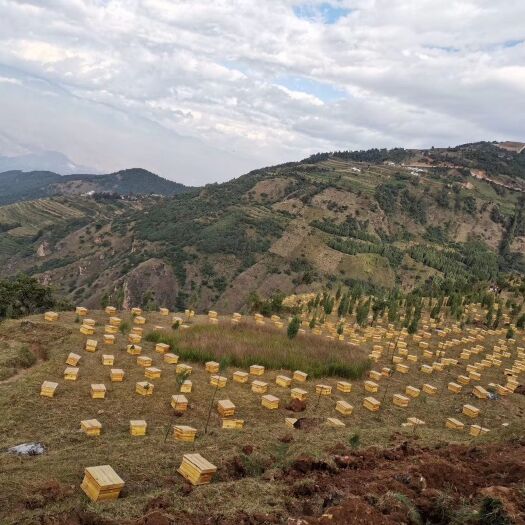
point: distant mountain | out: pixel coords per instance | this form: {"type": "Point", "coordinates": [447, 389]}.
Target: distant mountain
{"type": "Point", "coordinates": [42, 161]}
{"type": "Point", "coordinates": [18, 185]}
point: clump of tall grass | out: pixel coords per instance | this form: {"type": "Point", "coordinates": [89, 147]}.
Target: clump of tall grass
{"type": "Point", "coordinates": [242, 346]}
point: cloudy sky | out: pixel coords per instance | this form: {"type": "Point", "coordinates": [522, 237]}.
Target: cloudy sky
{"type": "Point", "coordinates": [199, 91]}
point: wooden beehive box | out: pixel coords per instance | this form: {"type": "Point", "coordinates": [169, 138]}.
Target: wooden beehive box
{"type": "Point", "coordinates": [400, 400]}
{"type": "Point", "coordinates": [87, 330]}
{"type": "Point", "coordinates": [186, 387]}
{"type": "Point", "coordinates": [402, 368]}
{"type": "Point", "coordinates": [171, 359]}
{"type": "Point", "coordinates": [116, 375]}
{"type": "Point", "coordinates": [80, 310]}
{"type": "Point", "coordinates": [370, 386]}
{"type": "Point", "coordinates": [256, 370]}
{"type": "Point", "coordinates": [372, 404]}
{"type": "Point", "coordinates": [71, 373]}
{"type": "Point", "coordinates": [115, 321]}
{"type": "Point", "coordinates": [48, 388]}
{"type": "Point", "coordinates": [212, 314]}
{"type": "Point", "coordinates": [152, 372]}
{"type": "Point", "coordinates": [144, 388]}
{"type": "Point", "coordinates": [240, 377]}
{"type": "Point", "coordinates": [299, 393]}
{"type": "Point", "coordinates": [412, 358]}
{"type": "Point", "coordinates": [162, 348]}
{"type": "Point", "coordinates": [72, 359]}
{"type": "Point", "coordinates": [51, 317]}
{"type": "Point", "coordinates": [454, 388]}
{"type": "Point", "coordinates": [212, 367]}
{"type": "Point", "coordinates": [108, 359]}
{"type": "Point", "coordinates": [110, 329]}
{"type": "Point", "coordinates": [429, 389]}
{"type": "Point", "coordinates": [184, 433]}
{"type": "Point", "coordinates": [233, 423]}
{"type": "Point", "coordinates": [259, 387]}
{"type": "Point", "coordinates": [138, 427]}
{"type": "Point", "coordinates": [463, 380]}
{"type": "Point", "coordinates": [290, 422]}
{"type": "Point", "coordinates": [91, 345]}
{"type": "Point", "coordinates": [480, 392]}
{"type": "Point", "coordinates": [225, 408]}
{"type": "Point", "coordinates": [134, 349]}
{"type": "Point", "coordinates": [334, 422]}
{"type": "Point", "coordinates": [414, 421]}
{"type": "Point", "coordinates": [136, 311]}
{"type": "Point", "coordinates": [454, 424]}
{"type": "Point", "coordinates": [427, 354]}
{"type": "Point", "coordinates": [426, 369]}
{"type": "Point", "coordinates": [144, 361]}
{"type": "Point", "coordinates": [283, 381]}
{"type": "Point", "coordinates": [196, 469]}
{"type": "Point", "coordinates": [134, 339]}
{"type": "Point", "coordinates": [477, 430]}
{"type": "Point", "coordinates": [89, 322]}
{"type": "Point", "coordinates": [474, 376]}
{"type": "Point", "coordinates": [164, 311]}
{"type": "Point", "coordinates": [218, 381]}
{"type": "Point", "coordinates": [101, 483]}
{"type": "Point", "coordinates": [397, 359]}
{"type": "Point", "coordinates": [323, 390]}
{"type": "Point", "coordinates": [109, 339]}
{"type": "Point", "coordinates": [470, 411]}
{"type": "Point", "coordinates": [110, 310]}
{"type": "Point", "coordinates": [98, 391]}
{"type": "Point", "coordinates": [270, 402]}
{"type": "Point", "coordinates": [182, 368]}
{"type": "Point", "coordinates": [344, 386]}
{"type": "Point", "coordinates": [91, 427]}
{"type": "Point", "coordinates": [179, 403]}
{"type": "Point", "coordinates": [344, 408]}
{"type": "Point", "coordinates": [387, 372]}
{"type": "Point", "coordinates": [375, 375]}
{"type": "Point", "coordinates": [412, 391]}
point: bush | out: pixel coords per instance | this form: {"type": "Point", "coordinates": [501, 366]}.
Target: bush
{"type": "Point", "coordinates": [293, 327]}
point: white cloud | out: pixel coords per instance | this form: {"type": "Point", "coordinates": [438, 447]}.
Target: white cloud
{"type": "Point", "coordinates": [253, 83]}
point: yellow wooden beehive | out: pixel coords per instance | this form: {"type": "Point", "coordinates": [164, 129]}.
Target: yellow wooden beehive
{"type": "Point", "coordinates": [186, 387]}
{"type": "Point", "coordinates": [89, 322]}
{"type": "Point", "coordinates": [290, 422]}
{"type": "Point", "coordinates": [98, 391]}
{"type": "Point", "coordinates": [470, 411]}
{"type": "Point", "coordinates": [283, 381]}
{"type": "Point", "coordinates": [372, 404]}
{"type": "Point", "coordinates": [110, 310]}
{"type": "Point", "coordinates": [212, 367]}
{"type": "Point", "coordinates": [91, 427]}
{"type": "Point", "coordinates": [412, 391]}
{"type": "Point", "coordinates": [454, 388]}
{"type": "Point", "coordinates": [480, 392]}
{"type": "Point", "coordinates": [429, 389]}
{"type": "Point", "coordinates": [300, 376]}
{"type": "Point", "coordinates": [87, 329]}
{"type": "Point", "coordinates": [233, 423]}
{"type": "Point", "coordinates": [400, 400]}
{"type": "Point", "coordinates": [454, 424]}
{"type": "Point", "coordinates": [344, 386]}
{"type": "Point", "coordinates": [323, 390]}
{"type": "Point", "coordinates": [51, 317]}
{"type": "Point", "coordinates": [212, 314]}
{"type": "Point", "coordinates": [426, 369]}
{"type": "Point", "coordinates": [414, 421]}
{"type": "Point", "coordinates": [72, 359]}
{"type": "Point", "coordinates": [299, 393]}
{"type": "Point", "coordinates": [48, 388]}
{"type": "Point", "coordinates": [196, 469]}
{"type": "Point", "coordinates": [136, 311]}
{"type": "Point", "coordinates": [428, 354]}
{"type": "Point", "coordinates": [108, 359]}
{"type": "Point", "coordinates": [218, 381]}
{"type": "Point", "coordinates": [412, 358]}
{"type": "Point", "coordinates": [334, 422]}
{"type": "Point", "coordinates": [134, 349]}
{"type": "Point", "coordinates": [270, 402]}
{"type": "Point", "coordinates": [184, 433]}
{"type": "Point", "coordinates": [110, 329]}
{"type": "Point", "coordinates": [171, 359]}
{"type": "Point", "coordinates": [115, 321]}
{"type": "Point", "coordinates": [370, 386]}
{"type": "Point", "coordinates": [397, 359]}
{"type": "Point", "coordinates": [71, 373]}
{"type": "Point", "coordinates": [463, 380]}
{"type": "Point", "coordinates": [134, 339]}
{"type": "Point", "coordinates": [225, 408]}
{"type": "Point", "coordinates": [477, 430]}
{"type": "Point", "coordinates": [179, 403]}
{"type": "Point", "coordinates": [256, 370]}
{"type": "Point", "coordinates": [240, 377]}
{"type": "Point", "coordinates": [402, 368]}
{"type": "Point", "coordinates": [344, 408]}
{"type": "Point", "coordinates": [182, 368]}
{"type": "Point", "coordinates": [137, 330]}
{"type": "Point", "coordinates": [91, 345]}
{"type": "Point", "coordinates": [474, 376]}
{"type": "Point", "coordinates": [259, 387]}
{"type": "Point", "coordinates": [152, 372]}
{"type": "Point", "coordinates": [144, 388]}
{"type": "Point", "coordinates": [162, 348]}
{"type": "Point", "coordinates": [387, 372]}
{"type": "Point", "coordinates": [375, 375]}
{"type": "Point", "coordinates": [138, 427]}
{"type": "Point", "coordinates": [109, 339]}
{"type": "Point", "coordinates": [164, 312]}
{"type": "Point", "coordinates": [116, 375]}
{"type": "Point", "coordinates": [144, 361]}
{"type": "Point", "coordinates": [101, 483]}
{"type": "Point", "coordinates": [80, 310]}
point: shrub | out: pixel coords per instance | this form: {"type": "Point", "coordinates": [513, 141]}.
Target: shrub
{"type": "Point", "coordinates": [293, 327]}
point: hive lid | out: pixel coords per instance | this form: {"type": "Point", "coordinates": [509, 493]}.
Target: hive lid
{"type": "Point", "coordinates": [137, 422]}
{"type": "Point", "coordinates": [226, 403]}
{"type": "Point", "coordinates": [179, 398]}
{"type": "Point", "coordinates": [49, 384]}
{"type": "Point", "coordinates": [202, 464]}
{"type": "Point", "coordinates": [105, 477]}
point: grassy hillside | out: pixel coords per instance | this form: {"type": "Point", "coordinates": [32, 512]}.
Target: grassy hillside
{"type": "Point", "coordinates": [385, 219]}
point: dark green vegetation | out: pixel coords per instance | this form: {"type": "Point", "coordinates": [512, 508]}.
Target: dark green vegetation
{"type": "Point", "coordinates": [449, 220]}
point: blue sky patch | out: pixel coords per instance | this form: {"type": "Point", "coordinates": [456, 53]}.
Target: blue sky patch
{"type": "Point", "coordinates": [321, 90]}
{"type": "Point", "coordinates": [324, 12]}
